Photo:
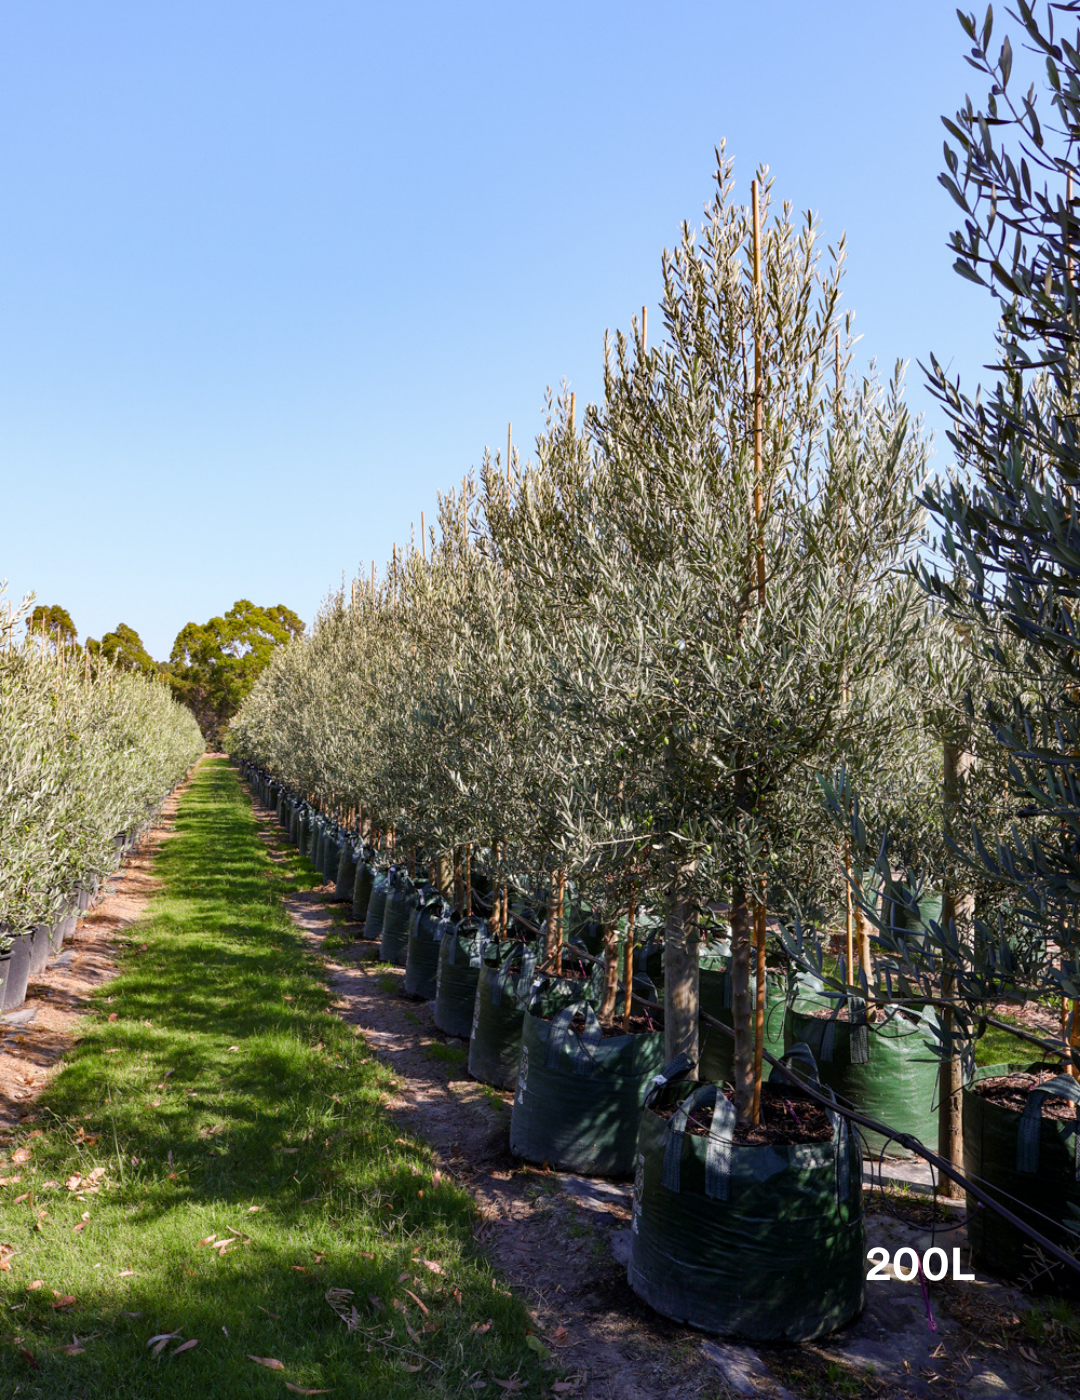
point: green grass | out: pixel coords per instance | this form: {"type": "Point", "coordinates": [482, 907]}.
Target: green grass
{"type": "Point", "coordinates": [236, 1104]}
{"type": "Point", "coordinates": [998, 1047]}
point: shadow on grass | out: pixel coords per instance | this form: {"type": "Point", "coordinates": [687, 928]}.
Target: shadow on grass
{"type": "Point", "coordinates": [224, 1102]}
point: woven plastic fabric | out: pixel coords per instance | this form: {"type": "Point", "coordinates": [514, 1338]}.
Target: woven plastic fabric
{"type": "Point", "coordinates": [499, 1009]}
{"type": "Point", "coordinates": [781, 1259]}
{"type": "Point", "coordinates": [579, 1097]}
{"type": "Point", "coordinates": [717, 1050]}
{"type": "Point", "coordinates": [460, 954]}
{"type": "Point", "coordinates": [426, 929]}
{"type": "Point", "coordinates": [394, 943]}
{"type": "Point", "coordinates": [361, 894]}
{"type": "Point", "coordinates": [1047, 1198]}
{"type": "Point", "coordinates": [376, 912]}
{"type": "Point", "coordinates": [897, 1083]}
{"type": "Point", "coordinates": [346, 872]}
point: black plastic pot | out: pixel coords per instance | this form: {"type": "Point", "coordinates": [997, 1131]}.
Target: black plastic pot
{"type": "Point", "coordinates": [1032, 1165]}
{"type": "Point", "coordinates": [18, 972]}
{"type": "Point", "coordinates": [394, 942]}
{"type": "Point", "coordinates": [460, 953]}
{"type": "Point", "coordinates": [764, 1242]}
{"type": "Point", "coordinates": [429, 923]}
{"type": "Point", "coordinates": [502, 992]}
{"type": "Point", "coordinates": [579, 1096]}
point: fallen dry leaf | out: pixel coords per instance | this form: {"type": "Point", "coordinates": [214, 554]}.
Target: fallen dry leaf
{"type": "Point", "coordinates": [74, 1348]}
{"type": "Point", "coordinates": [125, 1273]}
{"type": "Point", "coordinates": [63, 1300]}
{"type": "Point", "coordinates": [19, 1199]}
{"type": "Point", "coordinates": [481, 1326]}
{"type": "Point", "coordinates": [10, 1180]}
{"type": "Point", "coordinates": [423, 1308]}
{"type": "Point", "coordinates": [298, 1268]}
{"type": "Point", "coordinates": [433, 1266]}
{"type": "Point", "coordinates": [114, 1050]}
{"type": "Point", "coordinates": [252, 1209]}
{"type": "Point", "coordinates": [32, 1287]}
{"type": "Point", "coordinates": [186, 1346]}
{"type": "Point", "coordinates": [234, 1047]}
{"type": "Point", "coordinates": [161, 1340]}
{"type": "Point", "coordinates": [114, 1016]}
{"type": "Point", "coordinates": [302, 1390]}
{"type": "Point", "coordinates": [406, 1367]}
{"type": "Point", "coordinates": [20, 1155]}
{"type": "Point", "coordinates": [268, 1362]}
{"type": "Point", "coordinates": [209, 1239]}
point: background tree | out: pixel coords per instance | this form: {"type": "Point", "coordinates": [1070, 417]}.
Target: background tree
{"type": "Point", "coordinates": [53, 623]}
{"type": "Point", "coordinates": [213, 666]}
{"type": "Point", "coordinates": [124, 649]}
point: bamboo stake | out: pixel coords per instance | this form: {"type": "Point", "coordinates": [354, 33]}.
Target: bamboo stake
{"type": "Point", "coordinates": [509, 433]}
{"type": "Point", "coordinates": [423, 539]}
{"type": "Point", "coordinates": [628, 964]}
{"type": "Point", "coordinates": [759, 908]}
{"type": "Point", "coordinates": [560, 903]}
{"type": "Point", "coordinates": [644, 328]}
{"type": "Point", "coordinates": [466, 867]}
{"type": "Point", "coordinates": [573, 406]}
{"type": "Point", "coordinates": [758, 404]}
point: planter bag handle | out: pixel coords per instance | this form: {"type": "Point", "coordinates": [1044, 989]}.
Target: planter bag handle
{"type": "Point", "coordinates": [718, 1148]}
{"type": "Point", "coordinates": [679, 1068]}
{"type": "Point", "coordinates": [1027, 1133]}
{"type": "Point", "coordinates": [561, 1036]}
{"type": "Point", "coordinates": [441, 928]}
{"type": "Point", "coordinates": [501, 978]}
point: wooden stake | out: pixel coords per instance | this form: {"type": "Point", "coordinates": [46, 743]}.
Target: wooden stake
{"type": "Point", "coordinates": [628, 964]}
{"type": "Point", "coordinates": [759, 1002]}
{"type": "Point", "coordinates": [758, 403]}
{"type": "Point", "coordinates": [466, 872]}
{"type": "Point", "coordinates": [560, 903]}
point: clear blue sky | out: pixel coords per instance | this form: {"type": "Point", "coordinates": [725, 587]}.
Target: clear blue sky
{"type": "Point", "coordinates": [271, 275]}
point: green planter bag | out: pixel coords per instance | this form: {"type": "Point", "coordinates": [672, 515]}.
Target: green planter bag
{"type": "Point", "coordinates": [394, 943]}
{"type": "Point", "coordinates": [361, 895]}
{"type": "Point", "coordinates": [716, 1063]}
{"type": "Point", "coordinates": [346, 871]}
{"type": "Point", "coordinates": [579, 1095]}
{"type": "Point", "coordinates": [331, 854]}
{"type": "Point", "coordinates": [765, 1242]}
{"type": "Point", "coordinates": [888, 1068]}
{"type": "Point", "coordinates": [1032, 1165]}
{"type": "Point", "coordinates": [501, 995]}
{"type": "Point", "coordinates": [460, 953]}
{"type": "Point", "coordinates": [426, 929]}
{"type": "Point", "coordinates": [376, 911]}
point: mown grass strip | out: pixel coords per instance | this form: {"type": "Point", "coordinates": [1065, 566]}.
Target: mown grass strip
{"type": "Point", "coordinates": [216, 1158]}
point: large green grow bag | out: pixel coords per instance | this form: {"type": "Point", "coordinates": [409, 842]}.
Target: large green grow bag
{"type": "Point", "coordinates": [579, 1096]}
{"type": "Point", "coordinates": [316, 843]}
{"type": "Point", "coordinates": [426, 929]}
{"type": "Point", "coordinates": [376, 910]}
{"type": "Point", "coordinates": [294, 826]}
{"type": "Point", "coordinates": [331, 854]}
{"type": "Point", "coordinates": [501, 995]}
{"type": "Point", "coordinates": [361, 895]}
{"type": "Point", "coordinates": [888, 1068]}
{"type": "Point", "coordinates": [764, 1242]}
{"type": "Point", "coordinates": [346, 871]}
{"type": "Point", "coordinates": [1032, 1165]}
{"type": "Point", "coordinates": [460, 953]}
{"type": "Point", "coordinates": [394, 942]}
{"type": "Point", "coordinates": [304, 832]}
{"type": "Point", "coordinates": [716, 1060]}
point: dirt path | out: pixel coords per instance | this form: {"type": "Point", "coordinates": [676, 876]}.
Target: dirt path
{"type": "Point", "coordinates": [562, 1240]}
{"type": "Point", "coordinates": [33, 1045]}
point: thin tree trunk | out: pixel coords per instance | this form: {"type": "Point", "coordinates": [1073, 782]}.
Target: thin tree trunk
{"type": "Point", "coordinates": [445, 879]}
{"type": "Point", "coordinates": [957, 909]}
{"type": "Point", "coordinates": [628, 967]}
{"type": "Point", "coordinates": [681, 970]}
{"type": "Point", "coordinates": [760, 924]}
{"type": "Point", "coordinates": [742, 1000]}
{"type": "Point", "coordinates": [611, 972]}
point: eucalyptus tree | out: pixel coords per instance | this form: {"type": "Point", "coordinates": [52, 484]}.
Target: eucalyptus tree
{"type": "Point", "coordinates": [735, 572]}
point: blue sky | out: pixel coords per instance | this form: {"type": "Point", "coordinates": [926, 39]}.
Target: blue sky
{"type": "Point", "coordinates": [271, 275]}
